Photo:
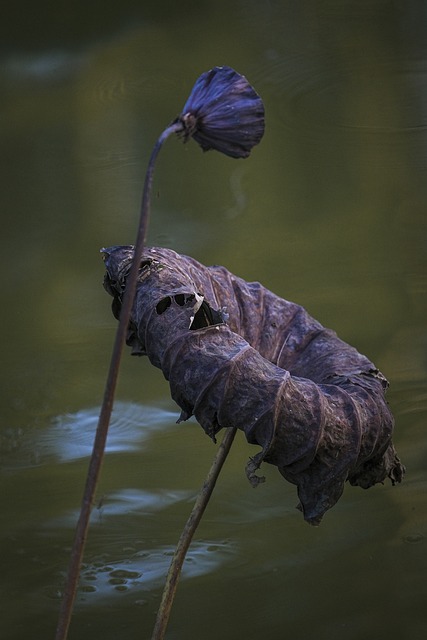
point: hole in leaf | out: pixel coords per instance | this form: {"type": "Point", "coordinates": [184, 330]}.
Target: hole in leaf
{"type": "Point", "coordinates": [182, 299]}
{"type": "Point", "coordinates": [163, 305]}
{"type": "Point", "coordinates": [205, 317]}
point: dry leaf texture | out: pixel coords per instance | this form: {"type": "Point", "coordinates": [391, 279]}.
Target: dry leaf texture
{"type": "Point", "coordinates": [235, 354]}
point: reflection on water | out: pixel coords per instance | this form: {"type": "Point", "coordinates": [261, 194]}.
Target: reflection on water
{"type": "Point", "coordinates": [146, 569]}
{"type": "Point", "coordinates": [329, 211]}
{"type": "Point", "coordinates": [43, 68]}
{"type": "Point", "coordinates": [71, 436]}
{"type": "Point", "coordinates": [126, 502]}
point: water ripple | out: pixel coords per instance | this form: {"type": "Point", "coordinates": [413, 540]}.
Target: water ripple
{"type": "Point", "coordinates": [103, 579]}
{"type": "Point", "coordinates": [386, 98]}
{"type": "Point", "coordinates": [71, 436]}
{"type": "Point", "coordinates": [126, 502]}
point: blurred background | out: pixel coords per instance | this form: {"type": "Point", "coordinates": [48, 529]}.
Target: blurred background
{"type": "Point", "coordinates": [329, 211]}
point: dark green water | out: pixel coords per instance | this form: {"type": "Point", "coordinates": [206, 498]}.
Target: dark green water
{"type": "Point", "coordinates": [330, 211]}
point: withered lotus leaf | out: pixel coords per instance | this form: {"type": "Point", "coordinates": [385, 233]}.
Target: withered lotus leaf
{"type": "Point", "coordinates": [235, 354]}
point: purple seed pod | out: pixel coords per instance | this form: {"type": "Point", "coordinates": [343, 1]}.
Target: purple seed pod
{"type": "Point", "coordinates": [223, 112]}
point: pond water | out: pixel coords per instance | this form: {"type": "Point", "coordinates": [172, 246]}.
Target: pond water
{"type": "Point", "coordinates": [329, 211]}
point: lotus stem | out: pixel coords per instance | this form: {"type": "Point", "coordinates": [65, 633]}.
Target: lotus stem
{"type": "Point", "coordinates": [187, 535]}
{"type": "Point", "coordinates": [108, 399]}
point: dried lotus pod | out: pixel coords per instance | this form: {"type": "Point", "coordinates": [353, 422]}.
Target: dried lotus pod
{"type": "Point", "coordinates": [223, 112]}
{"type": "Point", "coordinates": [235, 354]}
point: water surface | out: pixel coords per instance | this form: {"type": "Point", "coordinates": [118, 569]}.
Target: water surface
{"type": "Point", "coordinates": [329, 211]}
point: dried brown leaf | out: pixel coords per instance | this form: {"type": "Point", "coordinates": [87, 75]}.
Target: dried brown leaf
{"type": "Point", "coordinates": [235, 354]}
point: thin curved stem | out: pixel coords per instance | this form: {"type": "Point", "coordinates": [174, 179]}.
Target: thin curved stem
{"type": "Point", "coordinates": [108, 399]}
{"type": "Point", "coordinates": [191, 525]}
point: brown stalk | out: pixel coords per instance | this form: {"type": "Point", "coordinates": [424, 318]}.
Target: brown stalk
{"type": "Point", "coordinates": [108, 399]}
{"type": "Point", "coordinates": [187, 535]}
